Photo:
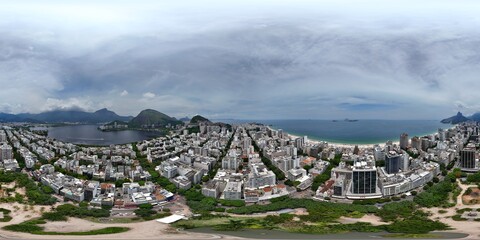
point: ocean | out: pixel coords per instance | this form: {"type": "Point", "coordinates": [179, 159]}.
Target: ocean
{"type": "Point", "coordinates": [357, 132]}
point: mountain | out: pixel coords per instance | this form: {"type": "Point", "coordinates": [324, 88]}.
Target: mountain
{"type": "Point", "coordinates": [185, 119]}
{"type": "Point", "coordinates": [105, 115]}
{"type": "Point", "coordinates": [59, 116]}
{"type": "Point", "coordinates": [150, 118]}
{"type": "Point", "coordinates": [459, 118]}
{"type": "Point", "coordinates": [199, 119]}
{"type": "Point", "coordinates": [6, 117]}
{"type": "Point", "coordinates": [475, 117]}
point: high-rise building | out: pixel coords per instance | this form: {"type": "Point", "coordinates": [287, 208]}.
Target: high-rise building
{"type": "Point", "coordinates": [260, 176]}
{"type": "Point", "coordinates": [356, 150]}
{"type": "Point", "coordinates": [467, 158]}
{"type": "Point", "coordinates": [230, 163]}
{"type": "Point", "coordinates": [299, 142]}
{"type": "Point", "coordinates": [247, 142]}
{"type": "Point", "coordinates": [404, 141]}
{"type": "Point", "coordinates": [416, 143]}
{"type": "Point", "coordinates": [425, 143]}
{"type": "Point", "coordinates": [3, 137]}
{"type": "Point", "coordinates": [5, 152]}
{"type": "Point", "coordinates": [441, 134]}
{"type": "Point", "coordinates": [393, 162]}
{"type": "Point", "coordinates": [405, 164]}
{"type": "Point", "coordinates": [378, 153]}
{"type": "Point", "coordinates": [364, 180]}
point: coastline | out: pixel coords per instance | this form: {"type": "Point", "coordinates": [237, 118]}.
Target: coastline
{"type": "Point", "coordinates": [342, 145]}
{"type": "Point", "coordinates": [352, 145]}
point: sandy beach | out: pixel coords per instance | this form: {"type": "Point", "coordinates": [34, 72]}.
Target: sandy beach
{"type": "Point", "coordinates": [343, 145]}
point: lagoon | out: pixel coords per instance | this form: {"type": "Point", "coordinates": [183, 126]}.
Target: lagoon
{"type": "Point", "coordinates": [90, 135]}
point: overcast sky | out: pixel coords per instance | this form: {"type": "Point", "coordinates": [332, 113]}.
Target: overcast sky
{"type": "Point", "coordinates": [243, 59]}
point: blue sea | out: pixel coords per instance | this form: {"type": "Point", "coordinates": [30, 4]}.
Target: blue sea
{"type": "Point", "coordinates": [359, 132]}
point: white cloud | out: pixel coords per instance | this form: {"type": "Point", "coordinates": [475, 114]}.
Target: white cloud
{"type": "Point", "coordinates": [149, 95]}
{"type": "Point", "coordinates": [68, 104]}
{"type": "Point", "coordinates": [124, 93]}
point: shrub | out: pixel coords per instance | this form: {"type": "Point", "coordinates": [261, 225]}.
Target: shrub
{"type": "Point", "coordinates": [468, 191]}
{"type": "Point", "coordinates": [396, 210]}
{"type": "Point", "coordinates": [142, 212]}
{"type": "Point", "coordinates": [54, 216]}
{"type": "Point", "coordinates": [415, 226]}
{"type": "Point", "coordinates": [219, 209]}
{"type": "Point", "coordinates": [232, 203]}
{"type": "Point", "coordinates": [435, 196]}
{"type": "Point", "coordinates": [24, 227]}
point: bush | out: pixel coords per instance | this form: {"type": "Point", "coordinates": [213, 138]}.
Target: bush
{"type": "Point", "coordinates": [145, 206]}
{"type": "Point", "coordinates": [396, 210]}
{"type": "Point", "coordinates": [437, 195]}
{"type": "Point", "coordinates": [142, 212]}
{"type": "Point", "coordinates": [54, 216]}
{"type": "Point", "coordinates": [81, 212]}
{"type": "Point", "coordinates": [282, 218]}
{"type": "Point", "coordinates": [318, 211]}
{"type": "Point", "coordinates": [458, 217]}
{"type": "Point", "coordinates": [6, 215]}
{"type": "Point", "coordinates": [219, 209]}
{"type": "Point", "coordinates": [473, 178]}
{"type": "Point", "coordinates": [232, 203]}
{"type": "Point", "coordinates": [415, 226]}
{"type": "Point", "coordinates": [25, 227]}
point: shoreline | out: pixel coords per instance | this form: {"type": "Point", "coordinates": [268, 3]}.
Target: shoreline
{"type": "Point", "coordinates": [352, 145]}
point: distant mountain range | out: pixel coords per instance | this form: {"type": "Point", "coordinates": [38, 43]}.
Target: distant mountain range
{"type": "Point", "coordinates": [61, 116]}
{"type": "Point", "coordinates": [459, 118]}
{"type": "Point", "coordinates": [148, 118]}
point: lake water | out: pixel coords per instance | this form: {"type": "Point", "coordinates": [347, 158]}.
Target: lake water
{"type": "Point", "coordinates": [90, 135]}
{"type": "Point", "coordinates": [277, 234]}
{"type": "Point", "coordinates": [359, 132]}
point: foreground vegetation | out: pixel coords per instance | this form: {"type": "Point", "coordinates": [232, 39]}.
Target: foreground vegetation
{"type": "Point", "coordinates": [402, 217]}
{"type": "Point", "coordinates": [61, 213]}
{"type": "Point", "coordinates": [6, 215]}
{"type": "Point", "coordinates": [36, 193]}
{"type": "Point", "coordinates": [33, 228]}
{"type": "Point", "coordinates": [68, 210]}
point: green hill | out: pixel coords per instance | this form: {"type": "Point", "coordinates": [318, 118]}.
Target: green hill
{"type": "Point", "coordinates": [199, 119]}
{"type": "Point", "coordinates": [150, 118]}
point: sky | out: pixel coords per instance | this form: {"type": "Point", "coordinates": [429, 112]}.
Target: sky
{"type": "Point", "coordinates": [245, 59]}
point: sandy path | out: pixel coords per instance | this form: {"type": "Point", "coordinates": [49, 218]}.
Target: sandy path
{"type": "Point", "coordinates": [369, 218]}
{"type": "Point", "coordinates": [19, 214]}
{"type": "Point", "coordinates": [460, 200]}
{"type": "Point", "coordinates": [472, 228]}
{"type": "Point", "coordinates": [468, 227]}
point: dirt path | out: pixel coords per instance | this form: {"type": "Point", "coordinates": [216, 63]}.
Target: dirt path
{"type": "Point", "coordinates": [471, 228]}
{"type": "Point", "coordinates": [369, 218]}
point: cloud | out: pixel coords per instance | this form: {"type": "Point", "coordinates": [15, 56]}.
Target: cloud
{"type": "Point", "coordinates": [291, 60]}
{"type": "Point", "coordinates": [148, 95]}
{"type": "Point", "coordinates": [68, 104]}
